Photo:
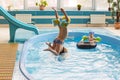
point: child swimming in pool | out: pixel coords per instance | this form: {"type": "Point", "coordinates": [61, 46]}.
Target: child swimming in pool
{"type": "Point", "coordinates": [57, 47]}
{"type": "Point", "coordinates": [89, 38]}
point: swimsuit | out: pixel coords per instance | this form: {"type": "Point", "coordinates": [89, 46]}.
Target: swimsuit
{"type": "Point", "coordinates": [58, 41]}
{"type": "Point", "coordinates": [62, 51]}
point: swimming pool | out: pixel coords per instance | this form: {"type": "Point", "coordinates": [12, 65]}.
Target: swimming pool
{"type": "Point", "coordinates": [100, 63]}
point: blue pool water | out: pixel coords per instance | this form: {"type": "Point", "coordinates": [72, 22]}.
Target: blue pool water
{"type": "Point", "coordinates": [101, 63]}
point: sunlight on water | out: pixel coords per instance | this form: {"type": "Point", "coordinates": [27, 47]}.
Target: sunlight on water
{"type": "Point", "coordinates": [91, 64]}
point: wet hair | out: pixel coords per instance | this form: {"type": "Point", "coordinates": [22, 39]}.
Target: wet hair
{"type": "Point", "coordinates": [91, 32]}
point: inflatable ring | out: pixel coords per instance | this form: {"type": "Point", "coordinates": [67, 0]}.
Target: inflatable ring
{"type": "Point", "coordinates": [86, 45]}
{"type": "Point", "coordinates": [97, 39]}
{"type": "Point", "coordinates": [69, 20]}
{"type": "Point", "coordinates": [56, 22]}
{"type": "Point", "coordinates": [64, 23]}
{"type": "Point", "coordinates": [84, 38]}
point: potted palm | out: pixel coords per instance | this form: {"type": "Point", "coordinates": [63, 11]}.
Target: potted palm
{"type": "Point", "coordinates": [79, 7]}
{"type": "Point", "coordinates": [42, 4]}
{"type": "Point", "coordinates": [115, 12]}
{"type": "Point", "coordinates": [109, 1]}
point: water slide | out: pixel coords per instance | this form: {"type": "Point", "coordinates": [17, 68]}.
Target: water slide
{"type": "Point", "coordinates": [14, 24]}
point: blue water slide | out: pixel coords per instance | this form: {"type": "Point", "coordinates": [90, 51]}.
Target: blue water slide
{"type": "Point", "coordinates": [14, 24]}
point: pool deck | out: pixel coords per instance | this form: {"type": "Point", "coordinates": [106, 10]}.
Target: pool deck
{"type": "Point", "coordinates": [4, 32]}
{"type": "Point", "coordinates": [7, 60]}
{"type": "Point", "coordinates": [114, 31]}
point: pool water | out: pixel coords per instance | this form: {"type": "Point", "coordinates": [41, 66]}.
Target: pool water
{"type": "Point", "coordinates": [100, 63]}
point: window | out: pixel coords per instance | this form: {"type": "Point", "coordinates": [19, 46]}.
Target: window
{"type": "Point", "coordinates": [67, 4]}
{"type": "Point", "coordinates": [86, 4]}
{"type": "Point", "coordinates": [18, 4]}
{"type": "Point", "coordinates": [14, 4]}
{"type": "Point", "coordinates": [31, 4]}
{"type": "Point", "coordinates": [52, 3]}
{"type": "Point", "coordinates": [101, 5]}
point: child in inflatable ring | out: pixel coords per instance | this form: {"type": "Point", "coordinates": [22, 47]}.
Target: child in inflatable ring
{"type": "Point", "coordinates": [91, 38]}
{"type": "Point", "coordinates": [57, 47]}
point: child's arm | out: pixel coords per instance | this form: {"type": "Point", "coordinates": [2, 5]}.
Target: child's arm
{"type": "Point", "coordinates": [65, 14]}
{"type": "Point", "coordinates": [52, 50]}
{"type": "Point", "coordinates": [49, 44]}
{"type": "Point", "coordinates": [56, 14]}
